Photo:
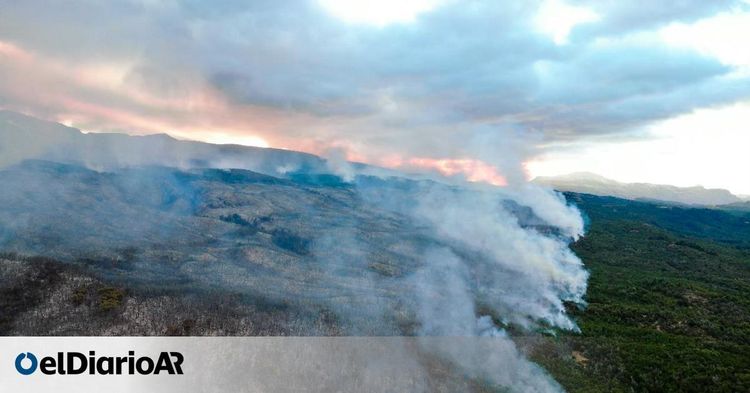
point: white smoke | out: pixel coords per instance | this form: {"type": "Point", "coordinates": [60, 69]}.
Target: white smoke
{"type": "Point", "coordinates": [445, 304]}
{"type": "Point", "coordinates": [521, 272]}
{"type": "Point", "coordinates": [525, 271]}
{"type": "Point", "coordinates": [338, 165]}
{"type": "Point", "coordinates": [446, 309]}
{"type": "Point", "coordinates": [493, 257]}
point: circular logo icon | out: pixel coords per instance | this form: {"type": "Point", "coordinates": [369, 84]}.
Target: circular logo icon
{"type": "Point", "coordinates": [19, 363]}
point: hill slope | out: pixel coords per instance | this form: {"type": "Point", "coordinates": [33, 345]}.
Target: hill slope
{"type": "Point", "coordinates": [669, 302]}
{"type": "Point", "coordinates": [159, 251]}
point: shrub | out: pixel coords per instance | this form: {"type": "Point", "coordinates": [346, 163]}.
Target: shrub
{"type": "Point", "coordinates": [110, 298]}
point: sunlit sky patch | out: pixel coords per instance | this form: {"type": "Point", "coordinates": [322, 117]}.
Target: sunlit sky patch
{"type": "Point", "coordinates": [557, 18]}
{"type": "Point", "coordinates": [709, 144]}
{"type": "Point", "coordinates": [637, 91]}
{"type": "Point", "coordinates": [225, 138]}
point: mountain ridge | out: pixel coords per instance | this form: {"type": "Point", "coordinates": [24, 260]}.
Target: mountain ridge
{"type": "Point", "coordinates": [591, 183]}
{"type": "Point", "coordinates": [25, 137]}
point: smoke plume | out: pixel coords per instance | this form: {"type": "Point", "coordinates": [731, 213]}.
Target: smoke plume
{"type": "Point", "coordinates": [372, 251]}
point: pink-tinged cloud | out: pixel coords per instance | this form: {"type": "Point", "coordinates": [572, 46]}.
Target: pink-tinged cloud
{"type": "Point", "coordinates": [469, 169]}
{"type": "Point", "coordinates": [96, 97]}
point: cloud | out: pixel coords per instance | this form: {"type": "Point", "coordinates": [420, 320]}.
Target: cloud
{"type": "Point", "coordinates": [627, 16]}
{"type": "Point", "coordinates": [623, 70]}
{"type": "Point", "coordinates": [460, 81]}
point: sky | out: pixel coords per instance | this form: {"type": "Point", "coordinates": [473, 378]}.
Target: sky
{"type": "Point", "coordinates": [492, 91]}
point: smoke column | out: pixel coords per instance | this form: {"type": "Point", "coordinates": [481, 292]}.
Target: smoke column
{"type": "Point", "coordinates": [470, 260]}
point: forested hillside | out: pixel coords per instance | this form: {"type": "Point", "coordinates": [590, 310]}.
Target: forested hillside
{"type": "Point", "coordinates": [668, 301]}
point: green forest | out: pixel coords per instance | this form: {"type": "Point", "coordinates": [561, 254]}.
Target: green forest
{"type": "Point", "coordinates": [668, 301]}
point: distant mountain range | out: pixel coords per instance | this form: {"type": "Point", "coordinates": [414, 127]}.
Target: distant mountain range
{"type": "Point", "coordinates": [590, 183]}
